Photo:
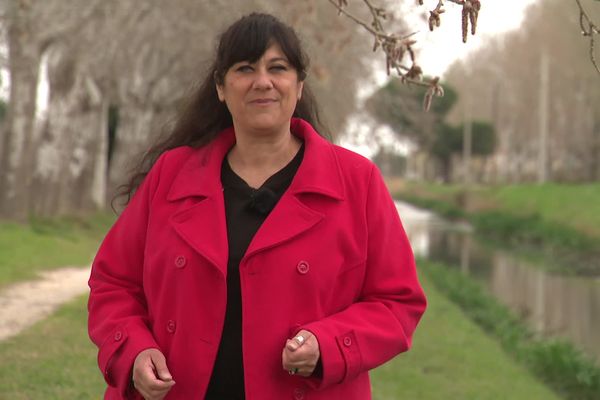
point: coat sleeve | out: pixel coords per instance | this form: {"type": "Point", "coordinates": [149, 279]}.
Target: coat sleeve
{"type": "Point", "coordinates": [381, 323]}
{"type": "Point", "coordinates": [117, 310]}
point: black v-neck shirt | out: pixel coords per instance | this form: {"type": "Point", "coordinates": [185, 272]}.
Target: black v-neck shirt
{"type": "Point", "coordinates": [246, 209]}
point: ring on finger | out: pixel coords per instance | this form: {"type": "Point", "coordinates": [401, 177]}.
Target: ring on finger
{"type": "Point", "coordinates": [300, 339]}
{"type": "Point", "coordinates": [293, 371]}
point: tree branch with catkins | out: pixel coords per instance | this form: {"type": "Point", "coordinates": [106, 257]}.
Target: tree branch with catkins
{"type": "Point", "coordinates": [588, 29]}
{"type": "Point", "coordinates": [470, 13]}
{"type": "Point", "coordinates": [398, 49]}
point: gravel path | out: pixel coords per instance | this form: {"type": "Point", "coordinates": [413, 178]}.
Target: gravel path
{"type": "Point", "coordinates": [23, 304]}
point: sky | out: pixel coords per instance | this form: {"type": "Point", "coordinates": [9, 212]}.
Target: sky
{"type": "Point", "coordinates": [444, 45]}
{"type": "Point", "coordinates": [437, 50]}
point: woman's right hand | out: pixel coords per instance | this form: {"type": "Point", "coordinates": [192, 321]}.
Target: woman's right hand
{"type": "Point", "coordinates": [151, 377]}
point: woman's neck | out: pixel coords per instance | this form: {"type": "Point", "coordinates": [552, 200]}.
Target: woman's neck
{"type": "Point", "coordinates": [256, 157]}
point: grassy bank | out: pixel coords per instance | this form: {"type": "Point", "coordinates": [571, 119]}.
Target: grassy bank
{"type": "Point", "coordinates": [561, 220]}
{"type": "Point", "coordinates": [45, 244]}
{"type": "Point", "coordinates": [555, 362]}
{"type": "Point", "coordinates": [451, 358]}
{"type": "Point", "coordinates": [52, 360]}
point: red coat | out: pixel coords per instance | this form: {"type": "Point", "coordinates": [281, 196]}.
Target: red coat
{"type": "Point", "coordinates": [332, 258]}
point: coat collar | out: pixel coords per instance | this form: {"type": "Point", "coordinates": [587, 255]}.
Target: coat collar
{"type": "Point", "coordinates": [318, 173]}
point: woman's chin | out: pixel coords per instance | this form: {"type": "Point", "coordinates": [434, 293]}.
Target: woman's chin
{"type": "Point", "coordinates": [266, 124]}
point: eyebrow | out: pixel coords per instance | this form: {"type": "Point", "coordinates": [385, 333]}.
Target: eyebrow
{"type": "Point", "coordinates": [270, 60]}
{"type": "Point", "coordinates": [276, 59]}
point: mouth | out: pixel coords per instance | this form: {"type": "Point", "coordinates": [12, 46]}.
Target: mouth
{"type": "Point", "coordinates": [264, 101]}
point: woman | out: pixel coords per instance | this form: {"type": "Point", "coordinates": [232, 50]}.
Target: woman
{"type": "Point", "coordinates": [256, 260]}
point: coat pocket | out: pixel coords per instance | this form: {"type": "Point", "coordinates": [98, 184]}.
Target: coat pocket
{"type": "Point", "coordinates": [350, 266]}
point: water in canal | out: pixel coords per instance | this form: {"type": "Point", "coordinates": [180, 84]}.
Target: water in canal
{"type": "Point", "coordinates": [551, 303]}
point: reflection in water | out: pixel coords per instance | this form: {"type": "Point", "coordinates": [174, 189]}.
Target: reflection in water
{"type": "Point", "coordinates": [552, 304]}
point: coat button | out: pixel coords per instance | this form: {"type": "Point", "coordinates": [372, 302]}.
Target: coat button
{"type": "Point", "coordinates": [118, 336]}
{"type": "Point", "coordinates": [171, 326]}
{"type": "Point", "coordinates": [303, 267]}
{"type": "Point", "coordinates": [180, 261]}
{"type": "Point", "coordinates": [347, 341]}
{"type": "Point", "coordinates": [298, 394]}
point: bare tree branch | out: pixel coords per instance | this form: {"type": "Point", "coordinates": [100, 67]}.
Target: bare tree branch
{"type": "Point", "coordinates": [397, 48]}
{"type": "Point", "coordinates": [50, 33]}
{"type": "Point", "coordinates": [589, 29]}
{"type": "Point", "coordinates": [339, 4]}
{"type": "Point", "coordinates": [394, 46]}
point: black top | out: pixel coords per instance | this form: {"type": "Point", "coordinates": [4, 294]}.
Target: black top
{"type": "Point", "coordinates": [245, 209]}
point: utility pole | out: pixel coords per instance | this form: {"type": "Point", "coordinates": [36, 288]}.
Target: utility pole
{"type": "Point", "coordinates": [543, 123]}
{"type": "Point", "coordinates": [467, 140]}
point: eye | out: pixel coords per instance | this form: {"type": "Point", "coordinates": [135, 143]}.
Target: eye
{"type": "Point", "coordinates": [278, 67]}
{"type": "Point", "coordinates": [244, 68]}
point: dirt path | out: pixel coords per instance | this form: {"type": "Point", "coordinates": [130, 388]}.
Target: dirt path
{"type": "Point", "coordinates": [23, 304]}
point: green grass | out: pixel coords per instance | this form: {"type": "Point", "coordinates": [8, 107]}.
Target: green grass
{"type": "Point", "coordinates": [575, 206]}
{"type": "Point", "coordinates": [556, 362]}
{"type": "Point", "coordinates": [443, 208]}
{"type": "Point", "coordinates": [451, 358]}
{"type": "Point", "coordinates": [52, 360]}
{"type": "Point", "coordinates": [45, 244]}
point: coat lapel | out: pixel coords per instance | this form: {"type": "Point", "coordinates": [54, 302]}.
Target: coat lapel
{"type": "Point", "coordinates": [319, 174]}
{"type": "Point", "coordinates": [200, 220]}
{"type": "Point", "coordinates": [288, 219]}
{"type": "Point", "coordinates": [202, 226]}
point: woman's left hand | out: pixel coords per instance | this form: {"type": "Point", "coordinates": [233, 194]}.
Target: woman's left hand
{"type": "Point", "coordinates": [301, 354]}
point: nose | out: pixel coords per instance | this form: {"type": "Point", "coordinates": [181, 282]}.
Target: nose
{"type": "Point", "coordinates": [262, 80]}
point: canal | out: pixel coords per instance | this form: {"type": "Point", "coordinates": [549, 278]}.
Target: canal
{"type": "Point", "coordinates": [551, 303]}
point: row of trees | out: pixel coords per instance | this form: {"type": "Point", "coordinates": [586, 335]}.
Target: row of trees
{"type": "Point", "coordinates": [118, 70]}
{"type": "Point", "coordinates": [537, 89]}
{"type": "Point", "coordinates": [400, 107]}
{"type": "Point", "coordinates": [116, 73]}
{"type": "Point", "coordinates": [541, 92]}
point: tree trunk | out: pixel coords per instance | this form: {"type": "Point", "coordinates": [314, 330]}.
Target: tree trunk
{"type": "Point", "coordinates": [70, 174]}
{"type": "Point", "coordinates": [16, 160]}
{"type": "Point", "coordinates": [135, 132]}
{"type": "Point", "coordinates": [595, 152]}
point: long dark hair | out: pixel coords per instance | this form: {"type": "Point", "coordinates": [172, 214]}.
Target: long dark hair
{"type": "Point", "coordinates": [203, 116]}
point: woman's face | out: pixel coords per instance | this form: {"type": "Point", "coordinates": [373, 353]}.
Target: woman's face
{"type": "Point", "coordinates": [262, 95]}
